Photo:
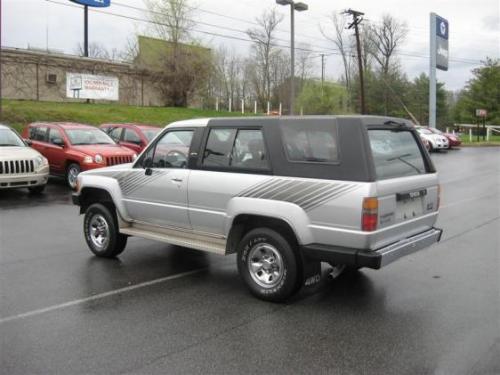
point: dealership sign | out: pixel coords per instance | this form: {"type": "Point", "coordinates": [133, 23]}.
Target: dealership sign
{"type": "Point", "coordinates": [442, 32]}
{"type": "Point", "coordinates": [93, 3]}
{"type": "Point", "coordinates": [88, 86]}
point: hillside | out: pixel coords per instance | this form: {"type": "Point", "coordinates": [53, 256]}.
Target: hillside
{"type": "Point", "coordinates": [18, 113]}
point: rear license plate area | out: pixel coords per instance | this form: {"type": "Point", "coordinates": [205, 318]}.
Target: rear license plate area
{"type": "Point", "coordinates": [410, 208]}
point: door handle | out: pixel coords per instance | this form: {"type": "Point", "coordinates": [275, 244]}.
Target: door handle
{"type": "Point", "coordinates": [177, 179]}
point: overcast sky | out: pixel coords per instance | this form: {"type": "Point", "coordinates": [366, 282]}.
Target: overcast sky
{"type": "Point", "coordinates": [474, 28]}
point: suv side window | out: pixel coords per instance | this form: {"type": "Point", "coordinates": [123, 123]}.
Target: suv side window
{"type": "Point", "coordinates": [115, 133]}
{"type": "Point", "coordinates": [54, 134]}
{"type": "Point", "coordinates": [170, 151]}
{"type": "Point", "coordinates": [315, 143]}
{"type": "Point", "coordinates": [218, 150]}
{"type": "Point", "coordinates": [39, 133]}
{"type": "Point", "coordinates": [131, 137]}
{"type": "Point", "coordinates": [249, 151]}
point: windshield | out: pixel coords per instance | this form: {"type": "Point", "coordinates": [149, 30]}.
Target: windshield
{"type": "Point", "coordinates": [9, 138]}
{"type": "Point", "coordinates": [395, 154]}
{"type": "Point", "coordinates": [88, 136]}
{"type": "Point", "coordinates": [150, 133]}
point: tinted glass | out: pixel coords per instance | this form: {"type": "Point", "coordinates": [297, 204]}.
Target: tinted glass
{"type": "Point", "coordinates": [171, 151]}
{"type": "Point", "coordinates": [131, 136]}
{"type": "Point", "coordinates": [396, 154]}
{"type": "Point", "coordinates": [39, 133]}
{"type": "Point", "coordinates": [150, 133]}
{"type": "Point", "coordinates": [249, 151]}
{"type": "Point", "coordinates": [88, 136]}
{"type": "Point", "coordinates": [115, 134]}
{"type": "Point", "coordinates": [311, 142]}
{"type": "Point", "coordinates": [54, 134]}
{"type": "Point", "coordinates": [218, 150]}
{"type": "Point", "coordinates": [9, 138]}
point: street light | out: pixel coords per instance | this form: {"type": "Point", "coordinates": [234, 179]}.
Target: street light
{"type": "Point", "coordinates": [299, 7]}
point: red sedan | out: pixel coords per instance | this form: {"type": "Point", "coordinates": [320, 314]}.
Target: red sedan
{"type": "Point", "coordinates": [453, 139]}
{"type": "Point", "coordinates": [72, 148]}
{"type": "Point", "coordinates": [133, 136]}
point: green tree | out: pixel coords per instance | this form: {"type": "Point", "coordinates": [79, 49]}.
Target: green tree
{"type": "Point", "coordinates": [481, 92]}
{"type": "Point", "coordinates": [417, 100]}
{"type": "Point", "coordinates": [327, 99]}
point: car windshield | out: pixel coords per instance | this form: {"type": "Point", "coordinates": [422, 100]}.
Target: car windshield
{"type": "Point", "coordinates": [150, 133]}
{"type": "Point", "coordinates": [9, 138]}
{"type": "Point", "coordinates": [88, 136]}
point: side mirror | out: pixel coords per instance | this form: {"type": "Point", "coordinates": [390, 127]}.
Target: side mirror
{"type": "Point", "coordinates": [28, 142]}
{"type": "Point", "coordinates": [148, 164]}
{"type": "Point", "coordinates": [58, 142]}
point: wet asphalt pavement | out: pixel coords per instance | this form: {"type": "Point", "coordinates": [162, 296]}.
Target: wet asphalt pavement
{"type": "Point", "coordinates": [165, 309]}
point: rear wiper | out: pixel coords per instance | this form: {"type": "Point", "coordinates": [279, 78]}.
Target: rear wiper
{"type": "Point", "coordinates": [400, 158]}
{"type": "Point", "coordinates": [7, 144]}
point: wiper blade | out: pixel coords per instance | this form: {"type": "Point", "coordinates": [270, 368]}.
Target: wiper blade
{"type": "Point", "coordinates": [400, 158]}
{"type": "Point", "coordinates": [7, 145]}
{"type": "Point", "coordinates": [401, 125]}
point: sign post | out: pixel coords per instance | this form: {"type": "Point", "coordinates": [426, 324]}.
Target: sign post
{"type": "Point", "coordinates": [481, 113]}
{"type": "Point", "coordinates": [86, 4]}
{"type": "Point", "coordinates": [438, 59]}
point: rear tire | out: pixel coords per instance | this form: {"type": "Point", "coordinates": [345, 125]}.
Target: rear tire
{"type": "Point", "coordinates": [269, 265]}
{"type": "Point", "coordinates": [35, 190]}
{"type": "Point", "coordinates": [100, 228]}
{"type": "Point", "coordinates": [72, 173]}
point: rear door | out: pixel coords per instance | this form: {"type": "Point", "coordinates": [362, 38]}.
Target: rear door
{"type": "Point", "coordinates": [55, 153]}
{"type": "Point", "coordinates": [407, 185]}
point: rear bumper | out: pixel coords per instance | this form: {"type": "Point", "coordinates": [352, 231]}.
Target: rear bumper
{"type": "Point", "coordinates": [373, 259]}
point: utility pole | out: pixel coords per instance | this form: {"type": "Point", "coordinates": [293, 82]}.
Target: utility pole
{"type": "Point", "coordinates": [86, 31]}
{"type": "Point", "coordinates": [356, 21]}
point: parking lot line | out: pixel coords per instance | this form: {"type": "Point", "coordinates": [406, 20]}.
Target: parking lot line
{"type": "Point", "coordinates": [99, 296]}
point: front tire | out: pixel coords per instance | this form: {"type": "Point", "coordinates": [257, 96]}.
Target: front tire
{"type": "Point", "coordinates": [100, 228]}
{"type": "Point", "coordinates": [269, 265]}
{"type": "Point", "coordinates": [72, 173]}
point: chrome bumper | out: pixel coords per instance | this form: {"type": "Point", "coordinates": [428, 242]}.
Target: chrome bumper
{"type": "Point", "coordinates": [373, 259]}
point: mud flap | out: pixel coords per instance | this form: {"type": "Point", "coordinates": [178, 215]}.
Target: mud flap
{"type": "Point", "coordinates": [312, 273]}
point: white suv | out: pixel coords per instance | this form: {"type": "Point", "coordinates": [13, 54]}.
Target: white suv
{"type": "Point", "coordinates": [285, 194]}
{"type": "Point", "coordinates": [20, 165]}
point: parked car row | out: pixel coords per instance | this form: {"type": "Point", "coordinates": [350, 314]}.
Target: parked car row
{"type": "Point", "coordinates": [66, 149]}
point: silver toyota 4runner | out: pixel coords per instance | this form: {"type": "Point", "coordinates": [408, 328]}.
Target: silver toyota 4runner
{"type": "Point", "coordinates": [285, 194]}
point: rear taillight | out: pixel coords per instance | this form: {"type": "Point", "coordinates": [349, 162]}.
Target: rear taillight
{"type": "Point", "coordinates": [370, 214]}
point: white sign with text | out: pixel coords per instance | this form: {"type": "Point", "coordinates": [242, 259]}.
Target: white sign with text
{"type": "Point", "coordinates": [88, 86]}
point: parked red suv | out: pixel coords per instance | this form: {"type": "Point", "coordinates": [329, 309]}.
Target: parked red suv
{"type": "Point", "coordinates": [71, 148]}
{"type": "Point", "coordinates": [133, 136]}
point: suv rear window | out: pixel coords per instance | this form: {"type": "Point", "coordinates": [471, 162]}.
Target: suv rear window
{"type": "Point", "coordinates": [310, 142]}
{"type": "Point", "coordinates": [396, 154]}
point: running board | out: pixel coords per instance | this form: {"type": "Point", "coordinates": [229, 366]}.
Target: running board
{"type": "Point", "coordinates": [174, 237]}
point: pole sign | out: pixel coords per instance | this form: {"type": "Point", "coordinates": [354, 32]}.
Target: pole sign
{"type": "Point", "coordinates": [481, 113]}
{"type": "Point", "coordinates": [88, 86]}
{"type": "Point", "coordinates": [93, 3]}
{"type": "Point", "coordinates": [442, 32]}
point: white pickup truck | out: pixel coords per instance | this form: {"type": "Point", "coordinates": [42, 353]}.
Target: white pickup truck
{"type": "Point", "coordinates": [283, 193]}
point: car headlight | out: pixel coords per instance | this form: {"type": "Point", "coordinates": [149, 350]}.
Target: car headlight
{"type": "Point", "coordinates": [134, 156]}
{"type": "Point", "coordinates": [88, 160]}
{"type": "Point", "coordinates": [98, 159]}
{"type": "Point", "coordinates": [40, 161]}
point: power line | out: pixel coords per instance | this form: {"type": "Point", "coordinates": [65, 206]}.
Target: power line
{"type": "Point", "coordinates": [332, 51]}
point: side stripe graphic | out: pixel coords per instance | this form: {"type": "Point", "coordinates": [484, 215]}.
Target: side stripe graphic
{"type": "Point", "coordinates": [306, 194]}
